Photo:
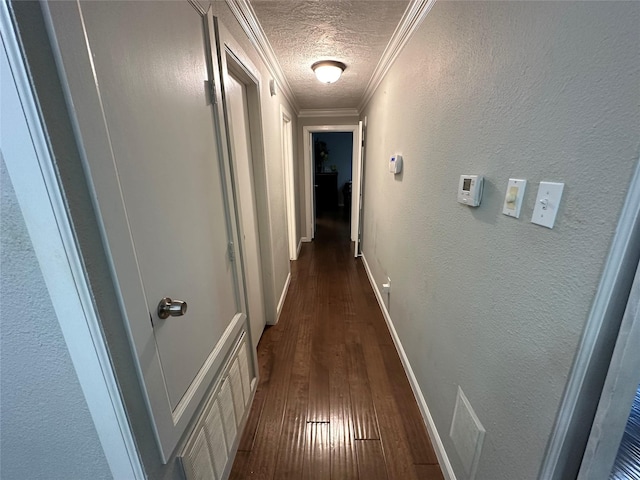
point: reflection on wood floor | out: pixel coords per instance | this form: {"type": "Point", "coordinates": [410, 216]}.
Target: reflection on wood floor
{"type": "Point", "coordinates": [333, 401]}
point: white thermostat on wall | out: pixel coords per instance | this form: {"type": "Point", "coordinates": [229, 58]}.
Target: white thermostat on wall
{"type": "Point", "coordinates": [470, 189]}
{"type": "Point", "coordinates": [395, 164]}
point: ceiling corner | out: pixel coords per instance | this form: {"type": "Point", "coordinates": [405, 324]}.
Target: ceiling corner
{"type": "Point", "coordinates": [246, 17]}
{"type": "Point", "coordinates": [409, 23]}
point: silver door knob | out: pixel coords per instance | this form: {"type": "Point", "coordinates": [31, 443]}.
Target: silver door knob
{"type": "Point", "coordinates": [171, 308]}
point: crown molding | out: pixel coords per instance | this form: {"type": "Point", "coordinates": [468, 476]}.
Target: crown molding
{"type": "Point", "coordinates": [409, 23]}
{"type": "Point", "coordinates": [329, 112]}
{"type": "Point", "coordinates": [246, 16]}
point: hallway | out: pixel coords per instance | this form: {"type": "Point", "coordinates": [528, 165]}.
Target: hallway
{"type": "Point", "coordinates": [333, 400]}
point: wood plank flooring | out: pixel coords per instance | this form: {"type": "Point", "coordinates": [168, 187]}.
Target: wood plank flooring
{"type": "Point", "coordinates": [333, 401]}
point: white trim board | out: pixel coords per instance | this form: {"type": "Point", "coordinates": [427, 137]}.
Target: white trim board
{"type": "Point", "coordinates": [617, 396]}
{"type": "Point", "coordinates": [329, 112]}
{"type": "Point", "coordinates": [283, 297]}
{"type": "Point", "coordinates": [299, 247]}
{"type": "Point", "coordinates": [441, 453]}
{"type": "Point", "coordinates": [619, 264]}
{"type": "Point", "coordinates": [246, 17]}
{"type": "Point", "coordinates": [33, 175]}
{"type": "Point", "coordinates": [307, 131]}
{"type": "Point", "coordinates": [286, 137]}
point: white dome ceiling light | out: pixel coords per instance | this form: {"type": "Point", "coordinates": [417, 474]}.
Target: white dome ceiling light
{"type": "Point", "coordinates": [328, 71]}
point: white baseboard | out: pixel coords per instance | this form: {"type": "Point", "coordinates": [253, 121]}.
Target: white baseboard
{"type": "Point", "coordinates": [305, 239]}
{"type": "Point", "coordinates": [443, 459]}
{"type": "Point", "coordinates": [283, 296]}
{"type": "Point", "coordinates": [299, 247]}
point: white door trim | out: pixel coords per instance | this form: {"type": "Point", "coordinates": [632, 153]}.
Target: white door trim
{"type": "Point", "coordinates": [307, 131]}
{"type": "Point", "coordinates": [286, 134]}
{"type": "Point", "coordinates": [33, 175]}
{"type": "Point", "coordinates": [610, 299]}
{"type": "Point", "coordinates": [356, 194]}
{"type": "Point", "coordinates": [617, 396]}
{"type": "Point", "coordinates": [232, 58]}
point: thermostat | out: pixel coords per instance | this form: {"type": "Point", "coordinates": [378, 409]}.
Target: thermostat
{"type": "Point", "coordinates": [395, 164]}
{"type": "Point", "coordinates": [470, 189]}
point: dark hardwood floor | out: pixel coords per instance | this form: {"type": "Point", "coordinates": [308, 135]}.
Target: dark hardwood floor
{"type": "Point", "coordinates": [333, 401]}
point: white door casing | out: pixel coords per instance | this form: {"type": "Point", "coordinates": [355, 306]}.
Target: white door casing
{"type": "Point", "coordinates": [286, 134]}
{"type": "Point", "coordinates": [356, 179]}
{"type": "Point", "coordinates": [618, 394]}
{"type": "Point", "coordinates": [232, 59]}
{"type": "Point", "coordinates": [240, 146]}
{"type": "Point", "coordinates": [141, 105]}
{"type": "Point", "coordinates": [356, 193]}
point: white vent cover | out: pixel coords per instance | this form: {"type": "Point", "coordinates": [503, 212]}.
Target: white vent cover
{"type": "Point", "coordinates": [217, 443]}
{"type": "Point", "coordinates": [207, 452]}
{"type": "Point", "coordinates": [467, 434]}
{"type": "Point", "coordinates": [196, 461]}
{"type": "Point", "coordinates": [228, 415]}
{"type": "Point", "coordinates": [244, 372]}
{"type": "Point", "coordinates": [236, 389]}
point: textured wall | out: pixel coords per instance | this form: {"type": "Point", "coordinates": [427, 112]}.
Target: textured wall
{"type": "Point", "coordinates": [46, 428]}
{"type": "Point", "coordinates": [535, 90]}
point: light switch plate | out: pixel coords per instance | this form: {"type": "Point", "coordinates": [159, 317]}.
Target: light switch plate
{"type": "Point", "coordinates": [513, 197]}
{"type": "Point", "coordinates": [547, 204]}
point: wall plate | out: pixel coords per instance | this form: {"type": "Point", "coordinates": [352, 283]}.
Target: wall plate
{"type": "Point", "coordinates": [513, 197]}
{"type": "Point", "coordinates": [547, 204]}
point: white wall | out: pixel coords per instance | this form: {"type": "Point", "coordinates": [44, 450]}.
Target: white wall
{"type": "Point", "coordinates": [46, 428]}
{"type": "Point", "coordinates": [535, 90]}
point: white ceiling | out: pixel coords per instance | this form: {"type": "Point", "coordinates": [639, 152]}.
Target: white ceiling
{"type": "Point", "coordinates": [353, 32]}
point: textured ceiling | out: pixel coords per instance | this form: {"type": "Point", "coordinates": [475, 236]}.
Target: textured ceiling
{"type": "Point", "coordinates": [353, 32]}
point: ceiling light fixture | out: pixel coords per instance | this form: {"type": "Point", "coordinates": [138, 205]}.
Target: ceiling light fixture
{"type": "Point", "coordinates": [328, 71]}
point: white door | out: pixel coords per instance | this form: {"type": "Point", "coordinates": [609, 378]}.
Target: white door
{"type": "Point", "coordinates": [161, 189]}
{"type": "Point", "coordinates": [356, 194]}
{"type": "Point", "coordinates": [236, 92]}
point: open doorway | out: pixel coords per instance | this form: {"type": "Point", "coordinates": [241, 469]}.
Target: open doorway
{"type": "Point", "coordinates": [333, 157]}
{"type": "Point", "coordinates": [354, 212]}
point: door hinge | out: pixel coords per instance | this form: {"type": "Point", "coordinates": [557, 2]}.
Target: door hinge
{"type": "Point", "coordinates": [232, 252]}
{"type": "Point", "coordinates": [212, 92]}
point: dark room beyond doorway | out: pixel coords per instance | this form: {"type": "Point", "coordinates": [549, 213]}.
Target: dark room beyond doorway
{"type": "Point", "coordinates": [333, 166]}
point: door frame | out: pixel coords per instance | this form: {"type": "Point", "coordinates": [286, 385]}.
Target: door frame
{"type": "Point", "coordinates": [570, 434]}
{"type": "Point", "coordinates": [233, 60]}
{"type": "Point", "coordinates": [618, 394]}
{"type": "Point", "coordinates": [82, 89]}
{"type": "Point", "coordinates": [31, 168]}
{"type": "Point", "coordinates": [356, 175]}
{"type": "Point", "coordinates": [286, 134]}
